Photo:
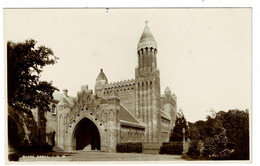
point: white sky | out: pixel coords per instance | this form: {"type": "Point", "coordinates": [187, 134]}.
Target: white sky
{"type": "Point", "coordinates": [204, 55]}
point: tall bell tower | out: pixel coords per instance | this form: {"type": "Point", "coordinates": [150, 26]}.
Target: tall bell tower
{"type": "Point", "coordinates": [147, 82]}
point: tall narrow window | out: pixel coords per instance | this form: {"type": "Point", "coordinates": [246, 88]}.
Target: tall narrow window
{"type": "Point", "coordinates": [53, 109]}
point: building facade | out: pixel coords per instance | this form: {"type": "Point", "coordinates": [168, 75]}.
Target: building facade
{"type": "Point", "coordinates": [125, 111]}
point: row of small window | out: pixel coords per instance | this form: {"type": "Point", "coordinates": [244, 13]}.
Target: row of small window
{"type": "Point", "coordinates": [146, 49]}
{"type": "Point", "coordinates": [120, 90]}
{"type": "Point", "coordinates": [139, 84]}
{"type": "Point", "coordinates": [119, 86]}
{"type": "Point", "coordinates": [143, 83]}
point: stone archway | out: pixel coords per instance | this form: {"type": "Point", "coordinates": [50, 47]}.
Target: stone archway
{"type": "Point", "coordinates": [86, 136]}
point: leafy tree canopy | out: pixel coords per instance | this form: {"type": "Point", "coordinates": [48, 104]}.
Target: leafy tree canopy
{"type": "Point", "coordinates": [24, 66]}
{"type": "Point", "coordinates": [223, 131]}
{"type": "Point", "coordinates": [180, 124]}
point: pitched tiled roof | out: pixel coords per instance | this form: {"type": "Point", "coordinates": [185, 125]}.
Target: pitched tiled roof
{"type": "Point", "coordinates": [127, 119]}
{"type": "Point", "coordinates": [163, 115]}
{"type": "Point", "coordinates": [125, 115]}
{"type": "Point", "coordinates": [60, 97]}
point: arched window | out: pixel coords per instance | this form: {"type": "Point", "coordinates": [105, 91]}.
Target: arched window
{"type": "Point", "coordinates": [53, 109]}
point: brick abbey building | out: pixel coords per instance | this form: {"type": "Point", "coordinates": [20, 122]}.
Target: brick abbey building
{"type": "Point", "coordinates": [125, 111]}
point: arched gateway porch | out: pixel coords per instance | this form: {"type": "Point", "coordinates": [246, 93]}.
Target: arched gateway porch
{"type": "Point", "coordinates": [86, 132]}
{"type": "Point", "coordinates": [84, 128]}
{"type": "Point", "coordinates": [86, 136]}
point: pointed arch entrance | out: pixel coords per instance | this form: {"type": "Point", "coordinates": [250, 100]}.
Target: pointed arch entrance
{"type": "Point", "coordinates": [86, 136]}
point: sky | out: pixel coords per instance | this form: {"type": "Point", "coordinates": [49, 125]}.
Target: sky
{"type": "Point", "coordinates": [204, 55]}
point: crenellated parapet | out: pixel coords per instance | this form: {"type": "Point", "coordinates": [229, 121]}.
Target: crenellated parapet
{"type": "Point", "coordinates": [119, 86]}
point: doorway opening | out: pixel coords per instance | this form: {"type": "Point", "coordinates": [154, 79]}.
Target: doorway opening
{"type": "Point", "coordinates": [86, 136]}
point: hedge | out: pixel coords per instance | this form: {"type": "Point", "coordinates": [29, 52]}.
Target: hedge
{"type": "Point", "coordinates": [13, 157]}
{"type": "Point", "coordinates": [129, 147]}
{"type": "Point", "coordinates": [171, 148]}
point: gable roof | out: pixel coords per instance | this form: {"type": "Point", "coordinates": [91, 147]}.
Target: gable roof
{"type": "Point", "coordinates": [125, 115]}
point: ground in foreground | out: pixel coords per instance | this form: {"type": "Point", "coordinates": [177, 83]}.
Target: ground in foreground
{"type": "Point", "coordinates": [98, 156]}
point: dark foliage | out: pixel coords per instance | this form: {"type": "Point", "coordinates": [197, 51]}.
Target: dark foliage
{"type": "Point", "coordinates": [24, 65]}
{"type": "Point", "coordinates": [236, 123]}
{"type": "Point", "coordinates": [225, 135]}
{"type": "Point", "coordinates": [171, 148]}
{"type": "Point", "coordinates": [129, 147]}
{"type": "Point", "coordinates": [193, 150]}
{"type": "Point", "coordinates": [177, 132]}
{"type": "Point", "coordinates": [13, 157]}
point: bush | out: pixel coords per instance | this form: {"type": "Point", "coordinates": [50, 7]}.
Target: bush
{"type": "Point", "coordinates": [171, 148]}
{"type": "Point", "coordinates": [193, 150]}
{"type": "Point", "coordinates": [129, 147]}
{"type": "Point", "coordinates": [13, 157]}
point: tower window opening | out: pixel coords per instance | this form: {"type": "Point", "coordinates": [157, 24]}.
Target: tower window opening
{"type": "Point", "coordinates": [53, 109]}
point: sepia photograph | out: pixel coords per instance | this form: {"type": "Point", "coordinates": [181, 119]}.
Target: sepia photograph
{"type": "Point", "coordinates": [128, 84]}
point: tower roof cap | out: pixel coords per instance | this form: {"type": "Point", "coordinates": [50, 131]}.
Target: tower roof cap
{"type": "Point", "coordinates": [101, 76]}
{"type": "Point", "coordinates": [167, 89]}
{"type": "Point", "coordinates": [147, 39]}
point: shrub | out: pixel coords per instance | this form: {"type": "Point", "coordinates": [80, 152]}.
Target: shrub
{"type": "Point", "coordinates": [129, 147]}
{"type": "Point", "coordinates": [193, 150]}
{"type": "Point", "coordinates": [13, 157]}
{"type": "Point", "coordinates": [171, 148]}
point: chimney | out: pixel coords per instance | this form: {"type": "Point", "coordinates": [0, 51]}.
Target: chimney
{"type": "Point", "coordinates": [65, 92]}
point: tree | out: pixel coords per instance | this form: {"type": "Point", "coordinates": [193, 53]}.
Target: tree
{"type": "Point", "coordinates": [236, 123]}
{"type": "Point", "coordinates": [177, 132]}
{"type": "Point", "coordinates": [216, 146]}
{"type": "Point", "coordinates": [24, 66]}
{"type": "Point", "coordinates": [225, 135]}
